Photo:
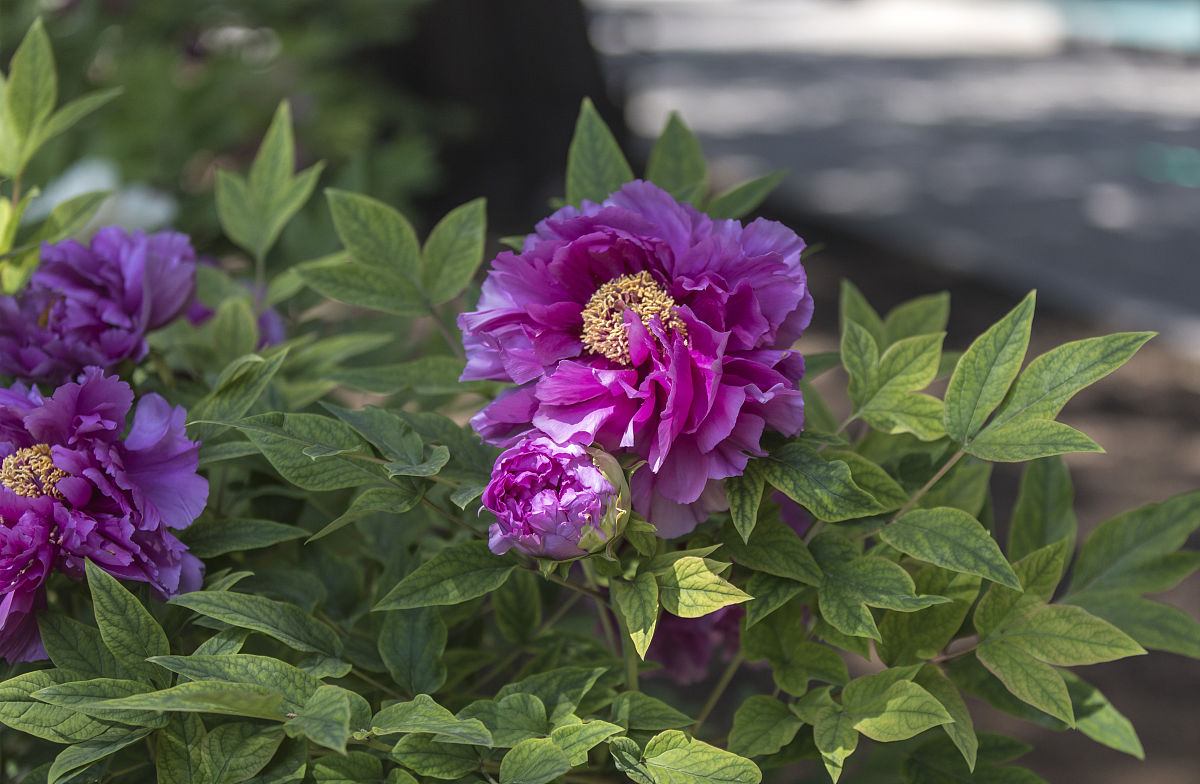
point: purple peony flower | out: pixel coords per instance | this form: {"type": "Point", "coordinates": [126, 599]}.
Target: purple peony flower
{"type": "Point", "coordinates": [685, 646]}
{"type": "Point", "coordinates": [71, 488]}
{"type": "Point", "coordinates": [93, 305]}
{"type": "Point", "coordinates": [642, 325]}
{"type": "Point", "coordinates": [554, 501]}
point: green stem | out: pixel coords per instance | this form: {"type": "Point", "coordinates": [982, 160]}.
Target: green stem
{"type": "Point", "coordinates": [367, 679]}
{"type": "Point", "coordinates": [718, 690]}
{"type": "Point", "coordinates": [452, 518]}
{"type": "Point", "coordinates": [454, 344]}
{"type": "Point", "coordinates": [933, 480]}
{"type": "Point", "coordinates": [589, 576]}
{"type": "Point", "coordinates": [627, 652]}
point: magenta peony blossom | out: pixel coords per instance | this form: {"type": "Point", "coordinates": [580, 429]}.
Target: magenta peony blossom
{"type": "Point", "coordinates": [644, 326]}
{"type": "Point", "coordinates": [554, 501]}
{"type": "Point", "coordinates": [685, 646]}
{"type": "Point", "coordinates": [92, 306]}
{"type": "Point", "coordinates": [71, 488]}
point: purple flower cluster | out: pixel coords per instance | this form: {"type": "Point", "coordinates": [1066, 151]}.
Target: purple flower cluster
{"type": "Point", "coordinates": [71, 488]}
{"type": "Point", "coordinates": [553, 501]}
{"type": "Point", "coordinates": [643, 326]}
{"type": "Point", "coordinates": [92, 305]}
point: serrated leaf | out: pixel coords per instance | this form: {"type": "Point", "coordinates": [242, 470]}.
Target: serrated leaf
{"type": "Point", "coordinates": [952, 539]}
{"type": "Point", "coordinates": [745, 494]}
{"type": "Point", "coordinates": [127, 628]}
{"type": "Point", "coordinates": [596, 167]}
{"type": "Point", "coordinates": [1068, 636]}
{"type": "Point", "coordinates": [677, 163]}
{"type": "Point", "coordinates": [690, 589]}
{"type": "Point", "coordinates": [232, 753]}
{"type": "Point", "coordinates": [741, 200]}
{"type": "Point", "coordinates": [1044, 512]}
{"type": "Point", "coordinates": [985, 372]}
{"type": "Point", "coordinates": [826, 489]}
{"type": "Point", "coordinates": [533, 761]}
{"type": "Point", "coordinates": [453, 251]}
{"type": "Point", "coordinates": [455, 575]}
{"type": "Point", "coordinates": [1028, 679]}
{"type": "Point", "coordinates": [637, 602]}
{"type": "Point", "coordinates": [762, 725]}
{"type": "Point", "coordinates": [285, 622]}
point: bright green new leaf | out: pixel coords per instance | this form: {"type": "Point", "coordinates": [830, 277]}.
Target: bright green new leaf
{"type": "Point", "coordinates": [1044, 512]}
{"type": "Point", "coordinates": [595, 164]}
{"type": "Point", "coordinates": [533, 761]}
{"type": "Point", "coordinates": [952, 539]}
{"type": "Point", "coordinates": [825, 488]}
{"type": "Point", "coordinates": [127, 628]}
{"type": "Point", "coordinates": [232, 753]}
{"type": "Point", "coordinates": [285, 622]}
{"type": "Point", "coordinates": [677, 163]}
{"type": "Point", "coordinates": [453, 251]}
{"type": "Point", "coordinates": [31, 91]}
{"type": "Point", "coordinates": [455, 575]}
{"type": "Point", "coordinates": [742, 199]}
{"type": "Point", "coordinates": [762, 725]}
{"type": "Point", "coordinates": [1028, 679]}
{"type": "Point", "coordinates": [690, 589]}
{"type": "Point", "coordinates": [985, 372]}
{"type": "Point", "coordinates": [637, 602]}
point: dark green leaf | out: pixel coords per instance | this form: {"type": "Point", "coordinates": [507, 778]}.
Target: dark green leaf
{"type": "Point", "coordinates": [762, 725]}
{"type": "Point", "coordinates": [230, 699]}
{"type": "Point", "coordinates": [178, 756]}
{"type": "Point", "coordinates": [285, 622]}
{"type": "Point", "coordinates": [427, 757]}
{"type": "Point", "coordinates": [294, 684]}
{"type": "Point", "coordinates": [636, 711]}
{"type": "Point", "coordinates": [741, 200]}
{"type": "Point", "coordinates": [595, 165]}
{"type": "Point", "coordinates": [74, 646]}
{"type": "Point", "coordinates": [1030, 680]}
{"type": "Point", "coordinates": [453, 251]}
{"type": "Point", "coordinates": [533, 761]}
{"type": "Point", "coordinates": [952, 539]}
{"type": "Point", "coordinates": [127, 628]}
{"type": "Point", "coordinates": [826, 489]}
{"type": "Point", "coordinates": [745, 494]}
{"type": "Point", "coordinates": [208, 538]}
{"type": "Point", "coordinates": [456, 574]}
{"type": "Point", "coordinates": [411, 643]}
{"type": "Point", "coordinates": [423, 714]}
{"type": "Point", "coordinates": [73, 758]}
{"type": "Point", "coordinates": [324, 718]}
{"type": "Point", "coordinates": [1044, 512]}
{"type": "Point", "coordinates": [677, 163]}
{"type": "Point", "coordinates": [232, 753]}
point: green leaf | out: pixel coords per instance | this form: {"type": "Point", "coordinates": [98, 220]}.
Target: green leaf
{"type": "Point", "coordinates": [899, 713]}
{"type": "Point", "coordinates": [74, 646]}
{"type": "Point", "coordinates": [677, 163]}
{"type": "Point", "coordinates": [73, 758]}
{"type": "Point", "coordinates": [296, 685]}
{"type": "Point", "coordinates": [1054, 377]}
{"type": "Point", "coordinates": [770, 593]}
{"type": "Point", "coordinates": [853, 307]}
{"type": "Point", "coordinates": [357, 283]}
{"type": "Point", "coordinates": [411, 643]}
{"type": "Point", "coordinates": [431, 466]}
{"type": "Point", "coordinates": [960, 731]}
{"type": "Point", "coordinates": [912, 637]}
{"type": "Point", "coordinates": [741, 200]}
{"type": "Point", "coordinates": [32, 88]}
{"type": "Point", "coordinates": [427, 757]}
{"type": "Point", "coordinates": [517, 607]}
{"type": "Point", "coordinates": [424, 376]}
{"type": "Point", "coordinates": [762, 725]}
{"type": "Point", "coordinates": [595, 164]}
{"type": "Point", "coordinates": [324, 718]}
{"type": "Point", "coordinates": [920, 316]}
{"type": "Point", "coordinates": [1068, 636]}
{"type": "Point", "coordinates": [232, 753]}
{"type": "Point", "coordinates": [1029, 440]}
{"type": "Point", "coordinates": [208, 538]}
{"type": "Point", "coordinates": [423, 714]}
{"type": "Point", "coordinates": [836, 738]}
{"type": "Point", "coordinates": [178, 757]}
{"type": "Point", "coordinates": [68, 218]}
{"type": "Point", "coordinates": [1153, 625]}
{"type": "Point", "coordinates": [637, 601]}
{"type": "Point", "coordinates": [230, 699]}
{"type": "Point", "coordinates": [576, 740]}
{"type": "Point", "coordinates": [127, 628]}
{"type": "Point", "coordinates": [776, 549]}
{"type": "Point", "coordinates": [936, 762]}
{"type": "Point", "coordinates": [985, 372]}
{"type": "Point", "coordinates": [533, 761]}
{"type": "Point", "coordinates": [1039, 573]}
{"type": "Point", "coordinates": [559, 689]}
{"type": "Point", "coordinates": [636, 711]}
{"type": "Point", "coordinates": [357, 767]}
{"type": "Point", "coordinates": [393, 499]}
{"type": "Point", "coordinates": [860, 357]}
{"type": "Point", "coordinates": [1028, 679]}
{"type": "Point", "coordinates": [23, 713]}
{"type": "Point", "coordinates": [453, 251]}
{"type": "Point", "coordinates": [1044, 513]}
{"type": "Point", "coordinates": [1121, 551]}
{"type": "Point", "coordinates": [70, 113]}
{"type": "Point", "coordinates": [690, 589]}
{"type": "Point", "coordinates": [673, 757]}
{"type": "Point", "coordinates": [285, 622]}
{"type": "Point", "coordinates": [826, 489]}
{"type": "Point", "coordinates": [952, 539]}
{"type": "Point", "coordinates": [509, 720]}
{"type": "Point", "coordinates": [82, 695]}
{"type": "Point", "coordinates": [872, 478]}
{"type": "Point", "coordinates": [282, 439]}
{"type": "Point", "coordinates": [455, 575]}
{"type": "Point", "coordinates": [239, 387]}
{"type": "Point", "coordinates": [852, 581]}
{"type": "Point", "coordinates": [1096, 717]}
{"type": "Point", "coordinates": [745, 495]}
{"type": "Point", "coordinates": [906, 366]}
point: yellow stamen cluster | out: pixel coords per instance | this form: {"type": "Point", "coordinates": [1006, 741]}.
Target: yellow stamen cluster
{"type": "Point", "coordinates": [603, 317]}
{"type": "Point", "coordinates": [31, 472]}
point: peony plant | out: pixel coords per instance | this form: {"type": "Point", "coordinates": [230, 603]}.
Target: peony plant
{"type": "Point", "coordinates": [651, 554]}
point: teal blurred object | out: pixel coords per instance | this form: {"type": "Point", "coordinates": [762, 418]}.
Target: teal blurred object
{"type": "Point", "coordinates": [1163, 25]}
